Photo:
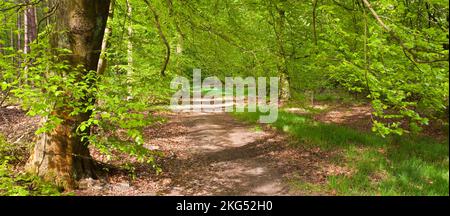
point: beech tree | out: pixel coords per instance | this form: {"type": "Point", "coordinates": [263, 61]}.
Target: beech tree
{"type": "Point", "coordinates": [60, 154]}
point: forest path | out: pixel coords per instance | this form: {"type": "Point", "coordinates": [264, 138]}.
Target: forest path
{"type": "Point", "coordinates": [217, 155]}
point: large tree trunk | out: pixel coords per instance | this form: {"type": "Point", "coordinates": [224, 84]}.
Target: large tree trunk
{"type": "Point", "coordinates": [60, 155]}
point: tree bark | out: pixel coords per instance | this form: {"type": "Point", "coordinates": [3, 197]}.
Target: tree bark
{"type": "Point", "coordinates": [29, 33]}
{"type": "Point", "coordinates": [19, 38]}
{"type": "Point", "coordinates": [130, 71]}
{"type": "Point", "coordinates": [30, 27]}
{"type": "Point", "coordinates": [129, 43]}
{"type": "Point", "coordinates": [60, 155]}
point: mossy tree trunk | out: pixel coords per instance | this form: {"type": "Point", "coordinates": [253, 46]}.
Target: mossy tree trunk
{"type": "Point", "coordinates": [60, 155]}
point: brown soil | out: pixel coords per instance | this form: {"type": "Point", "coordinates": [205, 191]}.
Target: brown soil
{"type": "Point", "coordinates": [213, 154]}
{"type": "Point", "coordinates": [16, 126]}
{"type": "Point", "coordinates": [358, 117]}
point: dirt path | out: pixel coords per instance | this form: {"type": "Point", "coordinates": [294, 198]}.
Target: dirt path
{"type": "Point", "coordinates": [224, 157]}
{"type": "Point", "coordinates": [206, 154]}
{"type": "Point", "coordinates": [214, 154]}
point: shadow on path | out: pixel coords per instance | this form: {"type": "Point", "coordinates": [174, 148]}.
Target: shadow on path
{"type": "Point", "coordinates": [221, 156]}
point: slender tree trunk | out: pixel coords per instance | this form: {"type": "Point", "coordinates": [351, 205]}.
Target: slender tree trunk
{"type": "Point", "coordinates": [19, 45]}
{"type": "Point", "coordinates": [60, 155]}
{"type": "Point", "coordinates": [19, 37]}
{"type": "Point", "coordinates": [12, 43]}
{"type": "Point", "coordinates": [130, 50]}
{"type": "Point", "coordinates": [30, 27]}
{"type": "Point", "coordinates": [130, 43]}
{"type": "Point", "coordinates": [103, 61]}
{"type": "Point", "coordinates": [29, 33]}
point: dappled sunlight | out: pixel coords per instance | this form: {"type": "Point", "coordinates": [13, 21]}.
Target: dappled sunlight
{"type": "Point", "coordinates": [235, 97]}
{"type": "Point", "coordinates": [366, 163]}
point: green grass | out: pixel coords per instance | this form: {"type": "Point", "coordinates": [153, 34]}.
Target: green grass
{"type": "Point", "coordinates": [405, 165]}
{"type": "Point", "coordinates": [219, 92]}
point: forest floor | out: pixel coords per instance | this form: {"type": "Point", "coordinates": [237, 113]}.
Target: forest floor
{"type": "Point", "coordinates": [215, 154]}
{"type": "Point", "coordinates": [306, 152]}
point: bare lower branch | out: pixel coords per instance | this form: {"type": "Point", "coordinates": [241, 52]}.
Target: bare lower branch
{"type": "Point", "coordinates": [21, 5]}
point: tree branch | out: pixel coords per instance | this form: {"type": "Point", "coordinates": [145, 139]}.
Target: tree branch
{"type": "Point", "coordinates": [411, 51]}
{"type": "Point", "coordinates": [20, 5]}
{"type": "Point", "coordinates": [163, 37]}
